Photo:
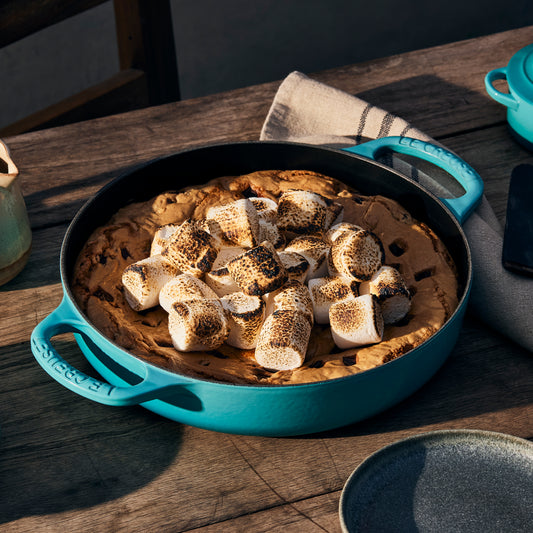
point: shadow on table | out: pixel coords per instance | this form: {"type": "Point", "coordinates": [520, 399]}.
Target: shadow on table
{"type": "Point", "coordinates": [475, 380]}
{"type": "Point", "coordinates": [68, 197]}
{"type": "Point", "coordinates": [60, 451]}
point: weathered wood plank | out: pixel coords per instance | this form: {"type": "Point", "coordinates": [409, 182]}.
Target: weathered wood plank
{"type": "Point", "coordinates": [23, 310]}
{"type": "Point", "coordinates": [317, 514]}
{"type": "Point", "coordinates": [42, 268]}
{"type": "Point", "coordinates": [35, 292]}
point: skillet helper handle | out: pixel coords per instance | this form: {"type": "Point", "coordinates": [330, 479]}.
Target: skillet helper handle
{"type": "Point", "coordinates": [61, 320]}
{"type": "Point", "coordinates": [503, 98]}
{"type": "Point", "coordinates": [462, 206]}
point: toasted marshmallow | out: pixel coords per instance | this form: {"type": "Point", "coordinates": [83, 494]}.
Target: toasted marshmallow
{"type": "Point", "coordinates": [144, 279]}
{"type": "Point", "coordinates": [246, 315]}
{"type": "Point", "coordinates": [266, 208]}
{"type": "Point", "coordinates": [283, 340]}
{"type": "Point", "coordinates": [356, 322]}
{"type": "Point", "coordinates": [327, 291]}
{"type": "Point", "coordinates": [315, 250]}
{"type": "Point", "coordinates": [268, 231]}
{"type": "Point", "coordinates": [226, 254]}
{"type": "Point", "coordinates": [293, 296]}
{"type": "Point", "coordinates": [259, 270]}
{"type": "Point", "coordinates": [296, 265]}
{"type": "Point", "coordinates": [219, 279]}
{"type": "Point", "coordinates": [196, 325]}
{"type": "Point", "coordinates": [184, 287]}
{"type": "Point", "coordinates": [338, 229]}
{"type": "Point", "coordinates": [334, 215]}
{"type": "Point", "coordinates": [330, 267]}
{"type": "Point", "coordinates": [356, 254]}
{"type": "Point", "coordinates": [388, 286]}
{"type": "Point", "coordinates": [302, 212]}
{"type": "Point", "coordinates": [210, 226]}
{"type": "Point", "coordinates": [161, 237]}
{"type": "Point", "coordinates": [238, 221]}
{"type": "Point", "coordinates": [191, 249]}
{"type": "Point", "coordinates": [221, 282]}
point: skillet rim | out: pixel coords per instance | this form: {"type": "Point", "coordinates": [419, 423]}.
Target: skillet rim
{"type": "Point", "coordinates": [465, 285]}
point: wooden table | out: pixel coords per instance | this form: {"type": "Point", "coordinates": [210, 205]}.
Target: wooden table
{"type": "Point", "coordinates": [68, 464]}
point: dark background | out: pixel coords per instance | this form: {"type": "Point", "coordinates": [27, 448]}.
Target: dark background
{"type": "Point", "coordinates": [226, 44]}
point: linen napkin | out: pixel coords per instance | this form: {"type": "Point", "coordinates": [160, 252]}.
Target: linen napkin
{"type": "Point", "coordinates": [305, 110]}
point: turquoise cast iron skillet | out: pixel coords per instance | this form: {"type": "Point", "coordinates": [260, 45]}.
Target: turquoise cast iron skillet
{"type": "Point", "coordinates": [274, 410]}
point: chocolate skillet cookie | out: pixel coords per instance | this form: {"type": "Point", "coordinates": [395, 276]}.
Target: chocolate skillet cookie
{"type": "Point", "coordinates": [410, 248]}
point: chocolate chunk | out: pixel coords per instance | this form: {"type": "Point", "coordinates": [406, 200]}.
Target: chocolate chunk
{"type": "Point", "coordinates": [422, 274]}
{"type": "Point", "coordinates": [218, 354]}
{"type": "Point", "coordinates": [163, 344]}
{"type": "Point", "coordinates": [101, 294]}
{"type": "Point", "coordinates": [397, 247]}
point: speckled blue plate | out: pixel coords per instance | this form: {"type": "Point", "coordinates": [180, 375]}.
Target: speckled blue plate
{"type": "Point", "coordinates": [443, 481]}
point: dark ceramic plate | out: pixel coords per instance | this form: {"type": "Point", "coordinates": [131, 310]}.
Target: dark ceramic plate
{"type": "Point", "coordinates": [443, 481]}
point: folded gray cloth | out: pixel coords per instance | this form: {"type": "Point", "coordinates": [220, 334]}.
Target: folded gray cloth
{"type": "Point", "coordinates": [307, 111]}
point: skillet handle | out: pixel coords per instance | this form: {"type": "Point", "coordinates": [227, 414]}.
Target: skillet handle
{"type": "Point", "coordinates": [462, 206]}
{"type": "Point", "coordinates": [62, 320]}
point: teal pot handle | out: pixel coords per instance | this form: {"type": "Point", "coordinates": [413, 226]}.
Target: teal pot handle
{"type": "Point", "coordinates": [63, 320]}
{"type": "Point", "coordinates": [506, 99]}
{"type": "Point", "coordinates": [462, 206]}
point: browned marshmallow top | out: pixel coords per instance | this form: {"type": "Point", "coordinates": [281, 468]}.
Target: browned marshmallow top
{"type": "Point", "coordinates": [259, 270]}
{"type": "Point", "coordinates": [302, 212]}
{"type": "Point", "coordinates": [408, 245]}
{"type": "Point", "coordinates": [191, 249]}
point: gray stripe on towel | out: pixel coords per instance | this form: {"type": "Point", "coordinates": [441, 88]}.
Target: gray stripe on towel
{"type": "Point", "coordinates": [362, 122]}
{"type": "Point", "coordinates": [386, 125]}
{"type": "Point", "coordinates": [405, 130]}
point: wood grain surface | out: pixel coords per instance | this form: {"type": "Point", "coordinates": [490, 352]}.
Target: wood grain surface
{"type": "Point", "coordinates": [67, 463]}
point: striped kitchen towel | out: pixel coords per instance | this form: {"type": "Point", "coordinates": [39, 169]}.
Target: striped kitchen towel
{"type": "Point", "coordinates": [305, 110]}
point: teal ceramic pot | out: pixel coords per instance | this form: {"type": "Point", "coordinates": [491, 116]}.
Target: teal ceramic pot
{"type": "Point", "coordinates": [519, 101]}
{"type": "Point", "coordinates": [127, 379]}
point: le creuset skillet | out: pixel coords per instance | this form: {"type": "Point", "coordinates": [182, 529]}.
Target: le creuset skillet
{"type": "Point", "coordinates": [273, 410]}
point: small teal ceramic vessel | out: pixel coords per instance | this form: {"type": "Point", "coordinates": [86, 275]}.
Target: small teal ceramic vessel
{"type": "Point", "coordinates": [519, 101]}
